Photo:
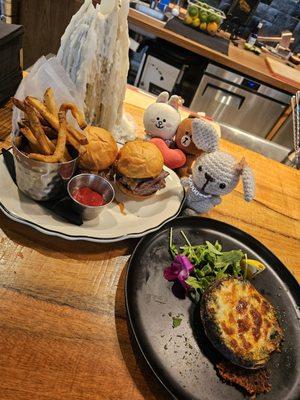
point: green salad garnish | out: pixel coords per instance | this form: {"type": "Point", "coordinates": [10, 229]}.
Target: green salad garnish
{"type": "Point", "coordinates": [198, 266]}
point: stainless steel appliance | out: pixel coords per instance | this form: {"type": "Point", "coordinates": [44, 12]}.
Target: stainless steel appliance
{"type": "Point", "coordinates": [238, 101]}
{"type": "Point", "coordinates": [165, 66]}
{"type": "Point", "coordinates": [285, 134]}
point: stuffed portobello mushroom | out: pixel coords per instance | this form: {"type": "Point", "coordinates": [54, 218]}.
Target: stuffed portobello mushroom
{"type": "Point", "coordinates": [240, 322]}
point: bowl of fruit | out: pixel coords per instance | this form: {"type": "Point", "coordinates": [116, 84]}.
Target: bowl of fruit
{"type": "Point", "coordinates": [203, 17]}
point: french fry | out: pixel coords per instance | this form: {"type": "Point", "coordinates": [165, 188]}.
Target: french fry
{"type": "Point", "coordinates": [50, 132]}
{"type": "Point", "coordinates": [78, 136]}
{"type": "Point", "coordinates": [33, 143]}
{"type": "Point", "coordinates": [62, 135]}
{"type": "Point", "coordinates": [42, 109]}
{"type": "Point", "coordinates": [21, 106]}
{"type": "Point", "coordinates": [18, 103]}
{"type": "Point", "coordinates": [77, 114]}
{"type": "Point", "coordinates": [49, 101]}
{"type": "Point", "coordinates": [26, 131]}
{"type": "Point", "coordinates": [37, 129]}
{"type": "Point", "coordinates": [66, 156]}
{"type": "Point", "coordinates": [30, 136]}
{"type": "Point", "coordinates": [24, 122]}
{"type": "Point", "coordinates": [75, 138]}
{"type": "Point", "coordinates": [60, 145]}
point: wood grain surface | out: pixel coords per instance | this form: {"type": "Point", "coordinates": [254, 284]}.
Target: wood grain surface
{"type": "Point", "coordinates": [45, 22]}
{"type": "Point", "coordinates": [63, 328]}
{"type": "Point", "coordinates": [238, 58]}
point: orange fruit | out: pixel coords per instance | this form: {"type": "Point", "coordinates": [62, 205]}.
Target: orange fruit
{"type": "Point", "coordinates": [212, 27]}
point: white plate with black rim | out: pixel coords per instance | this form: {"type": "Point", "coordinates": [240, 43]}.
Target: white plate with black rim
{"type": "Point", "coordinates": [140, 218]}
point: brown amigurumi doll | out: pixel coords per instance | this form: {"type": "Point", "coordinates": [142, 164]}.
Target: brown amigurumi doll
{"type": "Point", "coordinates": [184, 142]}
{"type": "Point", "coordinates": [184, 139]}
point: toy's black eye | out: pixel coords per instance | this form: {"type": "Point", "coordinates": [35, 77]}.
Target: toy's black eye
{"type": "Point", "coordinates": [222, 186]}
{"type": "Point", "coordinates": [200, 168]}
{"type": "Point", "coordinates": [157, 118]}
{"type": "Point", "coordinates": [164, 120]}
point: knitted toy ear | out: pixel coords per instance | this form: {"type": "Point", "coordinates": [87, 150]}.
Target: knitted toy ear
{"type": "Point", "coordinates": [204, 136]}
{"type": "Point", "coordinates": [175, 101]}
{"type": "Point", "coordinates": [248, 183]}
{"type": "Point", "coordinates": [163, 97]}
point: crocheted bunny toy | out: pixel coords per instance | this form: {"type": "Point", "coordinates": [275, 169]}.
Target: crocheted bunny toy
{"type": "Point", "coordinates": [214, 174]}
{"type": "Point", "coordinates": [161, 119]}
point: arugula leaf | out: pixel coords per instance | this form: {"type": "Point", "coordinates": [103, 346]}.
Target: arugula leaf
{"type": "Point", "coordinates": [213, 248]}
{"type": "Point", "coordinates": [232, 256]}
{"type": "Point", "coordinates": [218, 246]}
{"type": "Point", "coordinates": [237, 269]}
{"type": "Point", "coordinates": [194, 282]}
{"type": "Point", "coordinates": [172, 246]}
{"type": "Point", "coordinates": [195, 295]}
{"type": "Point", "coordinates": [176, 322]}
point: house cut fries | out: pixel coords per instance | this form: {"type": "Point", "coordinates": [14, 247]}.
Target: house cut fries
{"type": "Point", "coordinates": [79, 138]}
{"type": "Point", "coordinates": [37, 129]}
{"type": "Point", "coordinates": [46, 129]}
{"type": "Point", "coordinates": [58, 154]}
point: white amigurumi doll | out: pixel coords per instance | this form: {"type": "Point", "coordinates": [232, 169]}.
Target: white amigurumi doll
{"type": "Point", "coordinates": [161, 119]}
{"type": "Point", "coordinates": [214, 174]}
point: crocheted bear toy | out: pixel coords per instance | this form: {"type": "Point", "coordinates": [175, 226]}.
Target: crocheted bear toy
{"type": "Point", "coordinates": [214, 174]}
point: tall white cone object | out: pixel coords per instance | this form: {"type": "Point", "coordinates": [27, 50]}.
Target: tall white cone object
{"type": "Point", "coordinates": [94, 52]}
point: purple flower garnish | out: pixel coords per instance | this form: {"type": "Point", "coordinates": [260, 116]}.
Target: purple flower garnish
{"type": "Point", "coordinates": [180, 269]}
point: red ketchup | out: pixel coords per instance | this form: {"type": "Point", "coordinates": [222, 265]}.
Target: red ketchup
{"type": "Point", "coordinates": [88, 197]}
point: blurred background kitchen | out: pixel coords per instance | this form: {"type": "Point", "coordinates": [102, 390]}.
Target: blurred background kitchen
{"type": "Point", "coordinates": [216, 64]}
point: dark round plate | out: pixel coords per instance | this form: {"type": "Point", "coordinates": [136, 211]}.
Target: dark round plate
{"type": "Point", "coordinates": [182, 358]}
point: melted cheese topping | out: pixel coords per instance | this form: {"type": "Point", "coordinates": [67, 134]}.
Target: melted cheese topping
{"type": "Point", "coordinates": [246, 321]}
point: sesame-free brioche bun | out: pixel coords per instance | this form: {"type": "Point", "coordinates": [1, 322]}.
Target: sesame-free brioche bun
{"type": "Point", "coordinates": [132, 195]}
{"type": "Point", "coordinates": [101, 150]}
{"type": "Point", "coordinates": [140, 159]}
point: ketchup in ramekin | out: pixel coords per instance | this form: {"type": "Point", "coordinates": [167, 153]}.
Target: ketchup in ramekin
{"type": "Point", "coordinates": [88, 197]}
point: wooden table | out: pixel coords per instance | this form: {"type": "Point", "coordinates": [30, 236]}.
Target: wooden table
{"type": "Point", "coordinates": [63, 327]}
{"type": "Point", "coordinates": [237, 59]}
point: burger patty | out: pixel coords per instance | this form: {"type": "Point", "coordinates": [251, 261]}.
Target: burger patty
{"type": "Point", "coordinates": [144, 187]}
{"type": "Point", "coordinates": [240, 322]}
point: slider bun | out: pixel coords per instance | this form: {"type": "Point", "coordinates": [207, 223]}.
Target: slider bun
{"type": "Point", "coordinates": [140, 159]}
{"type": "Point", "coordinates": [132, 195]}
{"type": "Point", "coordinates": [101, 150]}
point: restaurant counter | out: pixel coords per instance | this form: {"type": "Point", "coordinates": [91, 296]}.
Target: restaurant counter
{"type": "Point", "coordinates": [238, 59]}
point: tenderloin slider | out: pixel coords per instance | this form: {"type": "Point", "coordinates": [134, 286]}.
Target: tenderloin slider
{"type": "Point", "coordinates": [140, 172]}
{"type": "Point", "coordinates": [100, 152]}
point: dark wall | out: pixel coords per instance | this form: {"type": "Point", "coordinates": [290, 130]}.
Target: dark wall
{"type": "Point", "coordinates": [44, 21]}
{"type": "Point", "coordinates": [277, 16]}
